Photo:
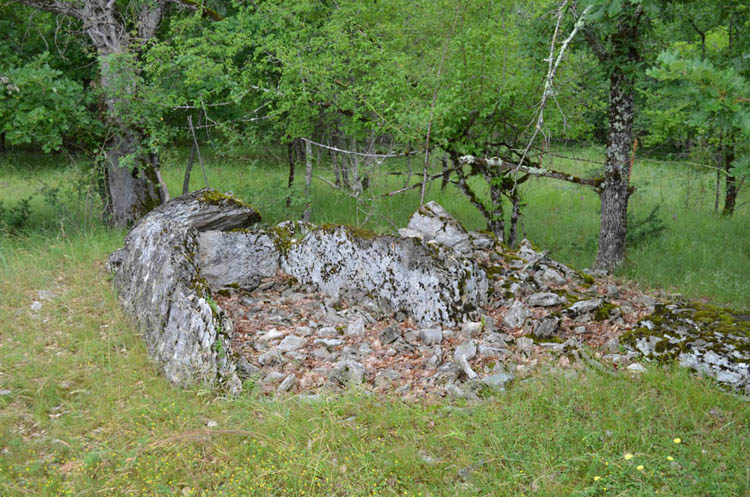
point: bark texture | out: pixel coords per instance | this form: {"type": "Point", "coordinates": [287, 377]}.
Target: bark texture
{"type": "Point", "coordinates": [133, 185]}
{"type": "Point", "coordinates": [615, 188]}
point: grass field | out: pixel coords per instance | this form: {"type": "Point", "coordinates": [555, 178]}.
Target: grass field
{"type": "Point", "coordinates": [83, 413]}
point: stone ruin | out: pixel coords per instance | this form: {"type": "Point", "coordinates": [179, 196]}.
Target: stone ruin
{"type": "Point", "coordinates": [433, 311]}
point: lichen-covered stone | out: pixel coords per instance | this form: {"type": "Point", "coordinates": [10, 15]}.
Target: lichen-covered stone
{"type": "Point", "coordinates": [434, 223]}
{"type": "Point", "coordinates": [434, 285]}
{"type": "Point", "coordinates": [159, 284]}
{"type": "Point", "coordinates": [711, 340]}
{"type": "Point", "coordinates": [237, 259]}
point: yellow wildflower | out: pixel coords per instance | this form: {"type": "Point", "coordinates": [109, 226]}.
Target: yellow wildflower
{"type": "Point", "coordinates": [677, 440]}
{"type": "Point", "coordinates": [597, 478]}
{"type": "Point", "coordinates": [639, 467]}
{"type": "Point", "coordinates": [628, 456]}
{"type": "Point", "coordinates": [670, 458]}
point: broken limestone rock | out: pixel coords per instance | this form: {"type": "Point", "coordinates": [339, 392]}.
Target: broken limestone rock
{"type": "Point", "coordinates": [546, 327]}
{"type": "Point", "coordinates": [237, 259]}
{"type": "Point", "coordinates": [158, 280]}
{"type": "Point", "coordinates": [516, 315]}
{"type": "Point", "coordinates": [463, 354]}
{"type": "Point", "coordinates": [347, 372]}
{"type": "Point", "coordinates": [432, 284]}
{"type": "Point", "coordinates": [544, 299]}
{"type": "Point", "coordinates": [434, 223]}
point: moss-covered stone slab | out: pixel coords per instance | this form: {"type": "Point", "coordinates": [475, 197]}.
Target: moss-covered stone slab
{"type": "Point", "coordinates": [712, 340]}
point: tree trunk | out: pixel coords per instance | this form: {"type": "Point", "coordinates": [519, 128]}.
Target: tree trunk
{"type": "Point", "coordinates": [615, 188]}
{"type": "Point", "coordinates": [133, 186]}
{"type": "Point", "coordinates": [290, 181]}
{"type": "Point", "coordinates": [188, 169]}
{"type": "Point", "coordinates": [730, 194]}
{"type": "Point", "coordinates": [308, 181]}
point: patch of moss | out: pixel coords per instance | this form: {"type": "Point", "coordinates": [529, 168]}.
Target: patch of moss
{"type": "Point", "coordinates": [587, 280]}
{"type": "Point", "coordinates": [719, 327]}
{"type": "Point", "coordinates": [493, 272]}
{"type": "Point", "coordinates": [552, 339]}
{"type": "Point", "coordinates": [213, 197]}
{"type": "Point", "coordinates": [604, 311]}
{"type": "Point", "coordinates": [282, 238]}
{"type": "Point", "coordinates": [354, 231]}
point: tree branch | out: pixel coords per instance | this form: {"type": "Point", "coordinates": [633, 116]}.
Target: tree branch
{"type": "Point", "coordinates": [595, 183]}
{"type": "Point", "coordinates": [54, 6]}
{"type": "Point", "coordinates": [194, 5]}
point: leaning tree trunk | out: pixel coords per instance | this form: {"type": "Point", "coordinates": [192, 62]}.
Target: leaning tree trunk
{"type": "Point", "coordinates": [615, 188]}
{"type": "Point", "coordinates": [133, 181]}
{"type": "Point", "coordinates": [133, 185]}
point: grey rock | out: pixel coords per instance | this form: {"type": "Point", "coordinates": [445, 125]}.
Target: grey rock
{"type": "Point", "coordinates": [386, 377]}
{"type": "Point", "coordinates": [516, 315]}
{"type": "Point", "coordinates": [471, 329]}
{"type": "Point", "coordinates": [273, 377]}
{"type": "Point", "coordinates": [305, 331]}
{"type": "Point", "coordinates": [447, 373]}
{"type": "Point", "coordinates": [584, 307]}
{"type": "Point", "coordinates": [237, 258]}
{"type": "Point", "coordinates": [546, 327]}
{"type": "Point", "coordinates": [498, 381]}
{"type": "Point", "coordinates": [409, 233]}
{"type": "Point", "coordinates": [525, 345]}
{"type": "Point", "coordinates": [555, 348]}
{"type": "Point", "coordinates": [612, 291]}
{"type": "Point", "coordinates": [287, 384]}
{"type": "Point", "coordinates": [346, 372]}
{"type": "Point", "coordinates": [490, 325]}
{"type": "Point", "coordinates": [551, 277]}
{"type": "Point", "coordinates": [526, 251]}
{"type": "Point", "coordinates": [436, 224]}
{"type": "Point", "coordinates": [390, 334]}
{"type": "Point", "coordinates": [36, 306]}
{"type": "Point", "coordinates": [271, 334]}
{"type": "Point", "coordinates": [544, 299]}
{"type": "Point", "coordinates": [481, 241]}
{"type": "Point", "coordinates": [636, 368]}
{"type": "Point", "coordinates": [486, 350]}
{"type": "Point", "coordinates": [463, 354]}
{"type": "Point", "coordinates": [364, 349]}
{"type": "Point", "coordinates": [4, 392]}
{"type": "Point", "coordinates": [432, 285]}
{"type": "Point", "coordinates": [270, 358]}
{"type": "Point", "coordinates": [246, 370]}
{"type": "Point", "coordinates": [328, 342]}
{"type": "Point", "coordinates": [155, 276]}
{"type": "Point", "coordinates": [580, 330]}
{"type": "Point", "coordinates": [612, 345]}
{"type": "Point", "coordinates": [356, 328]}
{"type": "Point", "coordinates": [291, 343]}
{"type": "Point", "coordinates": [328, 331]}
{"type": "Point", "coordinates": [323, 353]}
{"type": "Point", "coordinates": [431, 336]}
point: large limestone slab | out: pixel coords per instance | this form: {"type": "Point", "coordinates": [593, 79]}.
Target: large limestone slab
{"type": "Point", "coordinates": [159, 283]}
{"type": "Point", "coordinates": [237, 259]}
{"type": "Point", "coordinates": [433, 284]}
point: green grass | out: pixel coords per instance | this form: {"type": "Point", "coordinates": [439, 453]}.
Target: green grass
{"type": "Point", "coordinates": [88, 415]}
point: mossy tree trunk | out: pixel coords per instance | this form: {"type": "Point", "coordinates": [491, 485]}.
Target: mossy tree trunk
{"type": "Point", "coordinates": [117, 32]}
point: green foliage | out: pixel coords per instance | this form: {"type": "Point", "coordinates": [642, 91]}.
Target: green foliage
{"type": "Point", "coordinates": [713, 100]}
{"type": "Point", "coordinates": [40, 105]}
